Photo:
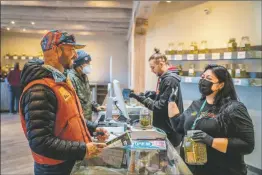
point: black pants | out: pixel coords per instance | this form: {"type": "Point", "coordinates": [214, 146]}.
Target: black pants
{"type": "Point", "coordinates": [64, 168]}
{"type": "Point", "coordinates": [15, 93]}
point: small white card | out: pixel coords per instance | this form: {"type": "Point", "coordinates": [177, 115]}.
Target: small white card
{"type": "Point", "coordinates": [15, 57]}
{"type": "Point", "coordinates": [237, 82]}
{"type": "Point", "coordinates": [23, 57]}
{"type": "Point", "coordinates": [241, 55]}
{"type": "Point", "coordinates": [30, 58]}
{"type": "Point", "coordinates": [6, 57]}
{"type": "Point", "coordinates": [168, 57]}
{"type": "Point", "coordinates": [188, 79]}
{"type": "Point", "coordinates": [237, 71]}
{"type": "Point", "coordinates": [215, 56]}
{"type": "Point", "coordinates": [190, 56]}
{"type": "Point", "coordinates": [201, 56]}
{"type": "Point", "coordinates": [228, 55]}
{"type": "Point", "coordinates": [178, 57]}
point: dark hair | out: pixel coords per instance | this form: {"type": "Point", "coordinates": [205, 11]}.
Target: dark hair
{"type": "Point", "coordinates": [228, 92]}
{"type": "Point", "coordinates": [157, 56]}
{"type": "Point", "coordinates": [16, 66]}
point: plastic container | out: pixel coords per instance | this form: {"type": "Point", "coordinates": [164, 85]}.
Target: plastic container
{"type": "Point", "coordinates": [180, 48]}
{"type": "Point", "coordinates": [191, 71]}
{"type": "Point", "coordinates": [193, 48]}
{"type": "Point", "coordinates": [203, 47]}
{"type": "Point", "coordinates": [240, 71]}
{"type": "Point", "coordinates": [145, 119]}
{"type": "Point", "coordinates": [232, 45]}
{"type": "Point", "coordinates": [245, 44]}
{"type": "Point", "coordinates": [195, 152]}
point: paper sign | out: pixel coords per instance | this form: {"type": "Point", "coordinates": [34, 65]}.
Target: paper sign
{"type": "Point", "coordinates": [168, 57]}
{"type": "Point", "coordinates": [190, 57]}
{"type": "Point", "coordinates": [23, 57]}
{"type": "Point", "coordinates": [241, 55]}
{"type": "Point", "coordinates": [178, 57]}
{"type": "Point", "coordinates": [15, 57]}
{"type": "Point", "coordinates": [188, 79]}
{"type": "Point", "coordinates": [201, 56]}
{"type": "Point", "coordinates": [228, 55]}
{"type": "Point", "coordinates": [30, 58]}
{"type": "Point", "coordinates": [237, 82]}
{"type": "Point", "coordinates": [215, 56]}
{"type": "Point", "coordinates": [7, 57]}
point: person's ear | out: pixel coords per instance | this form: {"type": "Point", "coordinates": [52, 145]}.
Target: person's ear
{"type": "Point", "coordinates": [221, 85]}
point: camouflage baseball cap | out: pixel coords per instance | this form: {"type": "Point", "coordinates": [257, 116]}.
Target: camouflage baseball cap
{"type": "Point", "coordinates": [57, 37]}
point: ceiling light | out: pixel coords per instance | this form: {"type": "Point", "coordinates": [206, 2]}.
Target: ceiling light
{"type": "Point", "coordinates": [168, 1]}
{"type": "Point", "coordinates": [7, 28]}
{"type": "Point", "coordinates": [12, 22]}
{"type": "Point", "coordinates": [24, 30]}
{"type": "Point", "coordinates": [33, 23]}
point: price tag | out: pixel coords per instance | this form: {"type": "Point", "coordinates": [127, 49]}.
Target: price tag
{"type": "Point", "coordinates": [241, 55]}
{"type": "Point", "coordinates": [237, 81]}
{"type": "Point", "coordinates": [23, 57]}
{"type": "Point", "coordinates": [215, 56]}
{"type": "Point", "coordinates": [30, 58]}
{"type": "Point", "coordinates": [6, 57]}
{"type": "Point", "coordinates": [15, 57]}
{"type": "Point", "coordinates": [228, 55]}
{"type": "Point", "coordinates": [178, 57]}
{"type": "Point", "coordinates": [188, 79]}
{"type": "Point", "coordinates": [237, 71]}
{"type": "Point", "coordinates": [201, 56]}
{"type": "Point", "coordinates": [168, 57]}
{"type": "Point", "coordinates": [190, 56]}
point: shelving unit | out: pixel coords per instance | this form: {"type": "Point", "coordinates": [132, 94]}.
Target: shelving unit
{"type": "Point", "coordinates": [237, 81]}
{"type": "Point", "coordinates": [99, 92]}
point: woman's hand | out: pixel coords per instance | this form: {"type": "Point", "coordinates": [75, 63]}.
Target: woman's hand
{"type": "Point", "coordinates": [172, 109]}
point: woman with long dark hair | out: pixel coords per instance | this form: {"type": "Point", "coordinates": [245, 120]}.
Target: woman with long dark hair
{"type": "Point", "coordinates": [222, 121]}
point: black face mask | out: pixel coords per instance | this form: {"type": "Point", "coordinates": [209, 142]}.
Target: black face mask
{"type": "Point", "coordinates": [205, 87]}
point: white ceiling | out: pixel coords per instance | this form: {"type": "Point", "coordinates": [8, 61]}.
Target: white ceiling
{"type": "Point", "coordinates": [78, 17]}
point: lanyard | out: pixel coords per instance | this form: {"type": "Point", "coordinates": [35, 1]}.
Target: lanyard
{"type": "Point", "coordinates": [198, 115]}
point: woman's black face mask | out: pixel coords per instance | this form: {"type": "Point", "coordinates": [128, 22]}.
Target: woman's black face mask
{"type": "Point", "coordinates": [205, 87]}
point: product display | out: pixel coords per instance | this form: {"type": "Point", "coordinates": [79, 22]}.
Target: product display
{"type": "Point", "coordinates": [145, 118]}
{"type": "Point", "coordinates": [180, 69]}
{"type": "Point", "coordinates": [245, 44]}
{"type": "Point", "coordinates": [203, 47]}
{"type": "Point", "coordinates": [171, 49]}
{"type": "Point", "coordinates": [240, 71]}
{"type": "Point", "coordinates": [195, 152]}
{"type": "Point", "coordinates": [180, 48]}
{"type": "Point", "coordinates": [193, 48]}
{"type": "Point", "coordinates": [191, 71]}
{"type": "Point", "coordinates": [232, 45]}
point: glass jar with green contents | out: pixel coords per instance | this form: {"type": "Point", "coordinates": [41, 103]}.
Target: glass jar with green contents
{"type": "Point", "coordinates": [180, 70]}
{"type": "Point", "coordinates": [191, 71]}
{"type": "Point", "coordinates": [193, 48]}
{"type": "Point", "coordinates": [171, 49]}
{"type": "Point", "coordinates": [240, 71]}
{"type": "Point", "coordinates": [232, 45]}
{"type": "Point", "coordinates": [180, 48]}
{"type": "Point", "coordinates": [231, 70]}
{"type": "Point", "coordinates": [195, 152]}
{"type": "Point", "coordinates": [145, 119]}
{"type": "Point", "coordinates": [245, 43]}
{"type": "Point", "coordinates": [203, 47]}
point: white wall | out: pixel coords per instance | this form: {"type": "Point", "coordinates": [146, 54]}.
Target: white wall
{"type": "Point", "coordinates": [99, 47]}
{"type": "Point", "coordinates": [186, 22]}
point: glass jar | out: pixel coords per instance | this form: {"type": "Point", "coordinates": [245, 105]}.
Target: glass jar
{"type": "Point", "coordinates": [180, 48]}
{"type": "Point", "coordinates": [191, 71]}
{"type": "Point", "coordinates": [231, 70]}
{"type": "Point", "coordinates": [203, 47]}
{"type": "Point", "coordinates": [171, 49]}
{"type": "Point", "coordinates": [180, 70]}
{"type": "Point", "coordinates": [195, 152]}
{"type": "Point", "coordinates": [232, 45]}
{"type": "Point", "coordinates": [193, 48]}
{"type": "Point", "coordinates": [245, 43]}
{"type": "Point", "coordinates": [240, 71]}
{"type": "Point", "coordinates": [145, 119]}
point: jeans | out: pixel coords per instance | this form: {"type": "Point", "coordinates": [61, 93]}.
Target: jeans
{"type": "Point", "coordinates": [15, 93]}
{"type": "Point", "coordinates": [64, 168]}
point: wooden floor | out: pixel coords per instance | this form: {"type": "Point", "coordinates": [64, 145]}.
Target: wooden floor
{"type": "Point", "coordinates": [16, 157]}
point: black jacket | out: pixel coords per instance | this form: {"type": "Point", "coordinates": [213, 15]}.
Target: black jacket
{"type": "Point", "coordinates": [159, 105]}
{"type": "Point", "coordinates": [39, 106]}
{"type": "Point", "coordinates": [230, 121]}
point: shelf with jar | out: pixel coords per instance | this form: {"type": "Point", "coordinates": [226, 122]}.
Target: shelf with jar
{"type": "Point", "coordinates": [237, 81]}
{"type": "Point", "coordinates": [232, 52]}
{"type": "Point", "coordinates": [22, 57]}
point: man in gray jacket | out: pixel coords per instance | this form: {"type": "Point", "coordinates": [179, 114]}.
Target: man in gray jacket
{"type": "Point", "coordinates": [79, 78]}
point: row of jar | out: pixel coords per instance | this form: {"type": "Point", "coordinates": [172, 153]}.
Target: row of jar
{"type": "Point", "coordinates": [194, 49]}
{"type": "Point", "coordinates": [235, 70]}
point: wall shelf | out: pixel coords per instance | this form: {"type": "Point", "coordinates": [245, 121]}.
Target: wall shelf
{"type": "Point", "coordinates": [240, 55]}
{"type": "Point", "coordinates": [237, 81]}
